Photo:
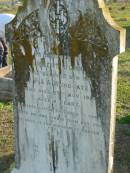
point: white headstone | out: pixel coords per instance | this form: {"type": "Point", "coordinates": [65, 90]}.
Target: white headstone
{"type": "Point", "coordinates": [65, 77]}
{"type": "Point", "coordinates": [4, 19]}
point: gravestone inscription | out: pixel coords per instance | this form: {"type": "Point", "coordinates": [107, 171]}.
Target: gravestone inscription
{"type": "Point", "coordinates": [65, 72]}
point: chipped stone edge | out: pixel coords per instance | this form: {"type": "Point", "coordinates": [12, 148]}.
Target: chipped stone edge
{"type": "Point", "coordinates": [113, 24]}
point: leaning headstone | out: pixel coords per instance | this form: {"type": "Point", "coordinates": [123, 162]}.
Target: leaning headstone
{"type": "Point", "coordinates": [65, 66]}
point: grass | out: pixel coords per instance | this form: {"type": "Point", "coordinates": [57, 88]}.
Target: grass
{"type": "Point", "coordinates": [6, 127]}
{"type": "Point", "coordinates": [122, 17]}
{"type": "Point", "coordinates": [6, 137]}
{"type": "Point", "coordinates": [123, 91]}
{"type": "Point", "coordinates": [124, 120]}
{"type": "Point", "coordinates": [5, 7]}
{"type": "Point", "coordinates": [8, 9]}
{"type": "Point", "coordinates": [6, 106]}
{"type": "Point", "coordinates": [122, 147]}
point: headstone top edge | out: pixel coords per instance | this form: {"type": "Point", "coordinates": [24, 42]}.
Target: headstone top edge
{"type": "Point", "coordinates": [106, 14]}
{"type": "Point", "coordinates": [113, 24]}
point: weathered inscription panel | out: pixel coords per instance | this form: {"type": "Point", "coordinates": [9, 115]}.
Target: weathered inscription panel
{"type": "Point", "coordinates": [63, 54]}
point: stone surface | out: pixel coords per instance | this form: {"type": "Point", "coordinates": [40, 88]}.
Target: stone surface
{"type": "Point", "coordinates": [6, 84]}
{"type": "Point", "coordinates": [6, 89]}
{"type": "Point", "coordinates": [65, 63]}
{"type": "Point", "coordinates": [6, 71]}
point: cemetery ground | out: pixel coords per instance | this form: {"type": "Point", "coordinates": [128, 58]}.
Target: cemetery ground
{"type": "Point", "coordinates": [122, 147]}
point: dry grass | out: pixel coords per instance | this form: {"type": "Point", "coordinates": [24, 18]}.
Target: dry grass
{"type": "Point", "coordinates": [6, 137]}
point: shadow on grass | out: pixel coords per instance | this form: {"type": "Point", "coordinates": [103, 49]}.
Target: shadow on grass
{"type": "Point", "coordinates": [122, 145]}
{"type": "Point", "coordinates": [124, 120]}
{"type": "Point", "coordinates": [6, 163]}
{"type": "Point", "coordinates": [124, 73]}
{"type": "Point", "coordinates": [127, 36]}
{"type": "Point", "coordinates": [124, 61]}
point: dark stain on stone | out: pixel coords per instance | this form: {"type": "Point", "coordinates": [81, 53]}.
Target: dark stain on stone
{"type": "Point", "coordinates": [22, 44]}
{"type": "Point", "coordinates": [53, 150]}
{"type": "Point", "coordinates": [23, 61]}
{"type": "Point", "coordinates": [26, 137]}
{"type": "Point", "coordinates": [74, 148]}
{"type": "Point", "coordinates": [86, 38]}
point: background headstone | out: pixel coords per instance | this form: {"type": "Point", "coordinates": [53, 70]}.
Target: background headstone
{"type": "Point", "coordinates": [4, 19]}
{"type": "Point", "coordinates": [6, 84]}
{"type": "Point", "coordinates": [65, 66]}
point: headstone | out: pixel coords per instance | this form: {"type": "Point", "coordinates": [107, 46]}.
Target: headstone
{"type": "Point", "coordinates": [6, 84]}
{"type": "Point", "coordinates": [4, 19]}
{"type": "Point", "coordinates": [65, 66]}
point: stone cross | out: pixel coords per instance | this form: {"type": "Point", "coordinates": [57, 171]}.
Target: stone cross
{"type": "Point", "coordinates": [65, 66]}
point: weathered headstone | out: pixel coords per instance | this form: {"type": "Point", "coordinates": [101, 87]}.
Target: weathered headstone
{"type": "Point", "coordinates": [6, 84]}
{"type": "Point", "coordinates": [65, 64]}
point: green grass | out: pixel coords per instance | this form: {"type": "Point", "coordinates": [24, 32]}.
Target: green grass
{"type": "Point", "coordinates": [125, 120]}
{"type": "Point", "coordinates": [6, 137]}
{"type": "Point", "coordinates": [121, 16]}
{"type": "Point", "coordinates": [123, 90]}
{"type": "Point", "coordinates": [7, 9]}
{"type": "Point", "coordinates": [6, 106]}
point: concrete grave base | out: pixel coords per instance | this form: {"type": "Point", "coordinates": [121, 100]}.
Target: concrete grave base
{"type": "Point", "coordinates": [6, 71]}
{"type": "Point", "coordinates": [6, 84]}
